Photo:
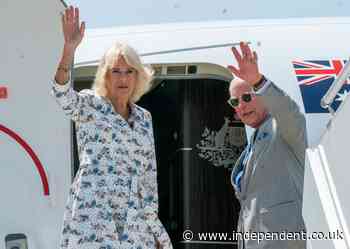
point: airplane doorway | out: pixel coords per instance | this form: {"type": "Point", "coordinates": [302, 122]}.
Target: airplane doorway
{"type": "Point", "coordinates": [192, 125]}
{"type": "Point", "coordinates": [197, 140]}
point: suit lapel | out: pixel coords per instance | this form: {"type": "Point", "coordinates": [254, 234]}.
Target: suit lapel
{"type": "Point", "coordinates": [248, 161]}
{"type": "Point", "coordinates": [258, 148]}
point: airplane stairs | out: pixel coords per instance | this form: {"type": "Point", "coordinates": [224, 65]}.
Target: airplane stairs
{"type": "Point", "coordinates": [326, 206]}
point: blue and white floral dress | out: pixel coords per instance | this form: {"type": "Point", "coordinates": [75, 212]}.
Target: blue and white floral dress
{"type": "Point", "coordinates": [113, 202]}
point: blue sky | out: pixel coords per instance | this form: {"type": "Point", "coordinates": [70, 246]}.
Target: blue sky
{"type": "Point", "coordinates": [107, 13]}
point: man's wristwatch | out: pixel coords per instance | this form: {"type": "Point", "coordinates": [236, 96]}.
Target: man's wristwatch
{"type": "Point", "coordinates": [258, 85]}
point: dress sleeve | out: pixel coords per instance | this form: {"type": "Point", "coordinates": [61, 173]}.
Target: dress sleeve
{"type": "Point", "coordinates": [76, 105]}
{"type": "Point", "coordinates": [150, 199]}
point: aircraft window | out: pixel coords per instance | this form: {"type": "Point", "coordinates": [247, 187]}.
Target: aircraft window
{"type": "Point", "coordinates": [16, 241]}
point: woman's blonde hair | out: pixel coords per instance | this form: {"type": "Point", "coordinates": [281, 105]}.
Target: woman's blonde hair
{"type": "Point", "coordinates": [144, 73]}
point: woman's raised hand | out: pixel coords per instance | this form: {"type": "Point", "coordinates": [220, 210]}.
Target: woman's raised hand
{"type": "Point", "coordinates": [73, 30]}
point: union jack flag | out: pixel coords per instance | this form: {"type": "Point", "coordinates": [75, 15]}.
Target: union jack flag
{"type": "Point", "coordinates": [314, 78]}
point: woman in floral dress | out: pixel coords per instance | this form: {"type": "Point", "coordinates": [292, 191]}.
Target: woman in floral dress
{"type": "Point", "coordinates": [113, 202]}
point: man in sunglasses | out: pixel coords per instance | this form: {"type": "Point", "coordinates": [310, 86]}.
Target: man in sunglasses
{"type": "Point", "coordinates": [268, 176]}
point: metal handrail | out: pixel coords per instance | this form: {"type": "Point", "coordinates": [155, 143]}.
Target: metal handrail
{"type": "Point", "coordinates": [332, 92]}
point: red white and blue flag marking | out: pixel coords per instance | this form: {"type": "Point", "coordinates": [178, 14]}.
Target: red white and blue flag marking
{"type": "Point", "coordinates": [314, 78]}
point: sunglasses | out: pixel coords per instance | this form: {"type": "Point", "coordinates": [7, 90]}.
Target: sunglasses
{"type": "Point", "coordinates": [234, 101]}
